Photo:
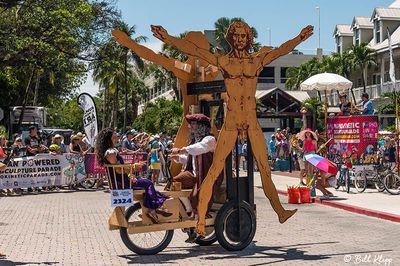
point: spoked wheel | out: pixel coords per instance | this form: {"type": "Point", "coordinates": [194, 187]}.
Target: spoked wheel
{"type": "Point", "coordinates": [209, 239]}
{"type": "Point", "coordinates": [392, 183]}
{"type": "Point", "coordinates": [89, 181]}
{"type": "Point", "coordinates": [235, 226]}
{"type": "Point", "coordinates": [379, 185]}
{"type": "Point", "coordinates": [347, 182]}
{"type": "Point", "coordinates": [145, 243]}
{"type": "Point", "coordinates": [360, 182]}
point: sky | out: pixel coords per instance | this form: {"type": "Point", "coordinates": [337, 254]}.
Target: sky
{"type": "Point", "coordinates": [280, 19]}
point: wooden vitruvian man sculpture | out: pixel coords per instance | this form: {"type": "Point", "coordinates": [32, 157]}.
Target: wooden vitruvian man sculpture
{"type": "Point", "coordinates": [184, 71]}
{"type": "Point", "coordinates": [240, 70]}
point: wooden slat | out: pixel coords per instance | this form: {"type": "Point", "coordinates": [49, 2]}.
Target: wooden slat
{"type": "Point", "coordinates": [137, 227]}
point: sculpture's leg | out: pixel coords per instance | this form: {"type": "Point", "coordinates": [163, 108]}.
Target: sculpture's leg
{"type": "Point", "coordinates": [181, 140]}
{"type": "Point", "coordinates": [225, 143]}
{"type": "Point", "coordinates": [259, 148]}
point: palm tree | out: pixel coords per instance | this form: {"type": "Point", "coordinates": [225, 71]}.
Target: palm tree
{"type": "Point", "coordinates": [221, 26]}
{"type": "Point", "coordinates": [125, 57]}
{"type": "Point", "coordinates": [296, 75]}
{"type": "Point", "coordinates": [362, 57]}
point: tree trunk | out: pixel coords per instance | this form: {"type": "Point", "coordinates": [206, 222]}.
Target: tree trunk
{"type": "Point", "coordinates": [21, 116]}
{"type": "Point", "coordinates": [363, 80]}
{"type": "Point", "coordinates": [36, 88]}
{"type": "Point", "coordinates": [126, 90]}
{"type": "Point", "coordinates": [116, 107]}
{"type": "Point", "coordinates": [135, 107]}
{"type": "Point", "coordinates": [104, 107]}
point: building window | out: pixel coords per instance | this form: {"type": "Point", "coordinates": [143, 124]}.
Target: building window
{"type": "Point", "coordinates": [338, 46]}
{"type": "Point", "coordinates": [377, 27]}
{"type": "Point", "coordinates": [283, 74]}
{"type": "Point", "coordinates": [357, 37]}
{"type": "Point", "coordinates": [267, 75]}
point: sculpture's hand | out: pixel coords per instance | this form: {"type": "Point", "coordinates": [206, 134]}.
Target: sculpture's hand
{"type": "Point", "coordinates": [120, 35]}
{"type": "Point", "coordinates": [159, 32]}
{"type": "Point", "coordinates": [306, 32]}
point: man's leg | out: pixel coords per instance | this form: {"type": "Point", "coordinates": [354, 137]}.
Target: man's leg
{"type": "Point", "coordinates": [260, 153]}
{"type": "Point", "coordinates": [225, 142]}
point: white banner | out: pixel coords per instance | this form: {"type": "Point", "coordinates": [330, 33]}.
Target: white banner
{"type": "Point", "coordinates": [43, 170]}
{"type": "Point", "coordinates": [85, 101]}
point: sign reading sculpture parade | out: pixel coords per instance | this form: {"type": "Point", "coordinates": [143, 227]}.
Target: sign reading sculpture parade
{"type": "Point", "coordinates": [85, 101]}
{"type": "Point", "coordinates": [353, 135]}
{"type": "Point", "coordinates": [43, 170]}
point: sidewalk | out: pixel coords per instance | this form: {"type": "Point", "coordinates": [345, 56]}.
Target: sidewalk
{"type": "Point", "coordinates": [370, 202]}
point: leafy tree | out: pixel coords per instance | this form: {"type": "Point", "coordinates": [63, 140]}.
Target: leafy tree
{"type": "Point", "coordinates": [158, 115]}
{"type": "Point", "coordinates": [316, 106]}
{"type": "Point", "coordinates": [362, 57]}
{"type": "Point", "coordinates": [45, 46]}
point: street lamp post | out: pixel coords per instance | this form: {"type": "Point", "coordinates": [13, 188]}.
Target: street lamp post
{"type": "Point", "coordinates": [319, 26]}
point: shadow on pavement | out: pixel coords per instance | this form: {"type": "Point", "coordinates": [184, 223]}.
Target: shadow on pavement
{"type": "Point", "coordinates": [216, 252]}
{"type": "Point", "coordinates": [5, 262]}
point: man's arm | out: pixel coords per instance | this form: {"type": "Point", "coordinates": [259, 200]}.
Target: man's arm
{"type": "Point", "coordinates": [148, 54]}
{"type": "Point", "coordinates": [207, 144]}
{"type": "Point", "coordinates": [288, 46]}
{"type": "Point", "coordinates": [183, 45]}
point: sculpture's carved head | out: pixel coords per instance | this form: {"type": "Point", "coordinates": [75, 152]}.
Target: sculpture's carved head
{"type": "Point", "coordinates": [239, 36]}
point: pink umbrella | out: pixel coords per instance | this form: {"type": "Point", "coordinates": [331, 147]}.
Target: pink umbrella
{"type": "Point", "coordinates": [321, 163]}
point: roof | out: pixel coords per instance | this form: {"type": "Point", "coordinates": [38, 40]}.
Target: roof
{"type": "Point", "coordinates": [382, 46]}
{"type": "Point", "coordinates": [386, 13]}
{"type": "Point", "coordinates": [295, 95]}
{"type": "Point", "coordinates": [343, 30]}
{"type": "Point", "coordinates": [395, 4]}
{"type": "Point", "coordinates": [362, 23]}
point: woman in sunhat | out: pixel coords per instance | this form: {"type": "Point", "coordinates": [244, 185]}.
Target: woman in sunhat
{"type": "Point", "coordinates": [310, 146]}
{"type": "Point", "coordinates": [74, 146]}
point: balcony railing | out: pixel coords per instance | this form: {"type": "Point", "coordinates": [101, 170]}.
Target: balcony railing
{"type": "Point", "coordinates": [374, 91]}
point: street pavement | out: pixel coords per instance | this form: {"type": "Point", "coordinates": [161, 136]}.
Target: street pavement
{"type": "Point", "coordinates": [70, 228]}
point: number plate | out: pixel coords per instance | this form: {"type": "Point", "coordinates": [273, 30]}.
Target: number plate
{"type": "Point", "coordinates": [121, 197]}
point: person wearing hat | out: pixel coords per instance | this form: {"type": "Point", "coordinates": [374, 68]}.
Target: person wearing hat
{"type": "Point", "coordinates": [127, 142]}
{"type": "Point", "coordinates": [74, 146]}
{"type": "Point", "coordinates": [197, 158]}
{"type": "Point", "coordinates": [367, 108]}
{"type": "Point", "coordinates": [58, 140]}
{"type": "Point", "coordinates": [345, 107]}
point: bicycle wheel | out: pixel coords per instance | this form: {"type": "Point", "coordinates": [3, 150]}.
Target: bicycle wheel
{"type": "Point", "coordinates": [208, 240]}
{"type": "Point", "coordinates": [379, 185]}
{"type": "Point", "coordinates": [392, 183]}
{"type": "Point", "coordinates": [89, 181]}
{"type": "Point", "coordinates": [347, 182]}
{"type": "Point", "coordinates": [145, 243]}
{"type": "Point", "coordinates": [360, 182]}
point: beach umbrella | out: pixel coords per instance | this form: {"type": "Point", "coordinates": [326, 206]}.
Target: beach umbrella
{"type": "Point", "coordinates": [321, 163]}
{"type": "Point", "coordinates": [326, 82]}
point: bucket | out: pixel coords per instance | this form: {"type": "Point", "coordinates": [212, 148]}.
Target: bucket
{"type": "Point", "coordinates": [293, 195]}
{"type": "Point", "coordinates": [305, 194]}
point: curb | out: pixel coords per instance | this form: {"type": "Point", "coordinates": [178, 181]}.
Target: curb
{"type": "Point", "coordinates": [354, 209]}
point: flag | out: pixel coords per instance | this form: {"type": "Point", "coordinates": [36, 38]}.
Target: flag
{"type": "Point", "coordinates": [85, 101]}
{"type": "Point", "coordinates": [391, 65]}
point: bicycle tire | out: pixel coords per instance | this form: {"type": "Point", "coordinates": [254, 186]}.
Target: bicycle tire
{"type": "Point", "coordinates": [347, 182]}
{"type": "Point", "coordinates": [392, 183]}
{"type": "Point", "coordinates": [135, 247]}
{"type": "Point", "coordinates": [360, 183]}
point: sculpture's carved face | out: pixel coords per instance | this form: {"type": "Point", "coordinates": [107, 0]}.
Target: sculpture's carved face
{"type": "Point", "coordinates": [240, 40]}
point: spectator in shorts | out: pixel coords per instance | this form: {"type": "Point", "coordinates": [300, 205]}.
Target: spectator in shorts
{"type": "Point", "coordinates": [155, 161]}
{"type": "Point", "coordinates": [278, 137]}
{"type": "Point", "coordinates": [272, 152]}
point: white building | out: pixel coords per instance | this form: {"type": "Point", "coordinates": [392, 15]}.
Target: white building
{"type": "Point", "coordinates": [374, 30]}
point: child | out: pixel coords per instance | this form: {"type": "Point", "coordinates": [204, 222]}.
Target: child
{"type": "Point", "coordinates": [155, 161]}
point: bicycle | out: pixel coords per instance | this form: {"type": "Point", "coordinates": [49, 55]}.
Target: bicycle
{"type": "Point", "coordinates": [392, 182]}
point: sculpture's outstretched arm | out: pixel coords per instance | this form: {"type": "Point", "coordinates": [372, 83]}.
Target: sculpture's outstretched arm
{"type": "Point", "coordinates": [148, 54]}
{"type": "Point", "coordinates": [288, 46]}
{"type": "Point", "coordinates": [186, 47]}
